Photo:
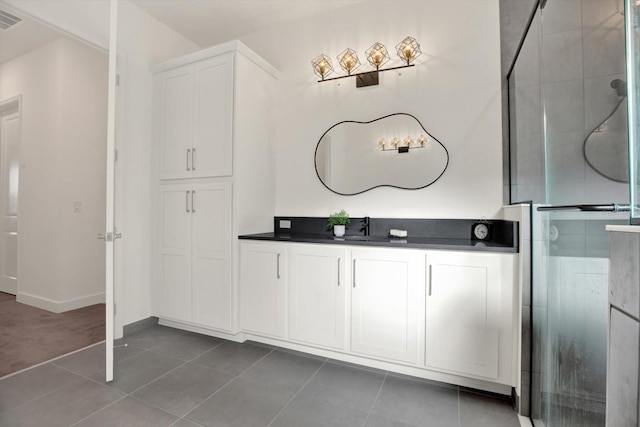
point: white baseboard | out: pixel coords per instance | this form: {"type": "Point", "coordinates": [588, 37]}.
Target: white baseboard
{"type": "Point", "coordinates": [524, 421]}
{"type": "Point", "coordinates": [60, 306]}
{"type": "Point", "coordinates": [9, 288]}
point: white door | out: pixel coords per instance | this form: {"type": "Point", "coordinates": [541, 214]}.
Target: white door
{"type": "Point", "coordinates": [317, 295]}
{"type": "Point", "coordinates": [385, 298]}
{"type": "Point", "coordinates": [213, 117]}
{"type": "Point", "coordinates": [463, 313]}
{"type": "Point", "coordinates": [211, 254]}
{"type": "Point", "coordinates": [9, 171]}
{"type": "Point", "coordinates": [262, 288]}
{"type": "Point", "coordinates": [175, 114]}
{"type": "Point", "coordinates": [176, 205]}
{"type": "Point", "coordinates": [109, 234]}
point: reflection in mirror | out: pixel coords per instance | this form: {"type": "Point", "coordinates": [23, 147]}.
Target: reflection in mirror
{"type": "Point", "coordinates": [392, 151]}
{"type": "Point", "coordinates": [605, 148]}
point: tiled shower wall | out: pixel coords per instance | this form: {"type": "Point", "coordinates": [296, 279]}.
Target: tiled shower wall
{"type": "Point", "coordinates": [560, 92]}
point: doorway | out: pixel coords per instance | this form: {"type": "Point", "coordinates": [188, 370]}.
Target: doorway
{"type": "Point", "coordinates": [9, 169]}
{"type": "Point", "coordinates": [53, 103]}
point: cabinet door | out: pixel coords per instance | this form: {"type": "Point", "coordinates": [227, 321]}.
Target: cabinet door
{"type": "Point", "coordinates": [211, 254]}
{"type": "Point", "coordinates": [175, 122]}
{"type": "Point", "coordinates": [175, 252]}
{"type": "Point", "coordinates": [317, 295]}
{"type": "Point", "coordinates": [385, 303]}
{"type": "Point", "coordinates": [213, 117]}
{"type": "Point", "coordinates": [463, 312]}
{"type": "Point", "coordinates": [262, 288]}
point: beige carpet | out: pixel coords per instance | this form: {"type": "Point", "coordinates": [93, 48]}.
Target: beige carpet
{"type": "Point", "coordinates": [29, 336]}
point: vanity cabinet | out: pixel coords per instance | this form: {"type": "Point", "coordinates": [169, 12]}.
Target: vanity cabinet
{"type": "Point", "coordinates": [464, 312]}
{"type": "Point", "coordinates": [386, 303]}
{"type": "Point", "coordinates": [195, 253]}
{"type": "Point", "coordinates": [195, 109]}
{"type": "Point", "coordinates": [442, 315]}
{"type": "Point", "coordinates": [263, 287]}
{"type": "Point", "coordinates": [317, 295]}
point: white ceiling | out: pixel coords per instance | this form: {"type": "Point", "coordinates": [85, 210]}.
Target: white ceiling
{"type": "Point", "coordinates": [23, 37]}
{"type": "Point", "coordinates": [205, 22]}
{"type": "Point", "coordinates": [211, 22]}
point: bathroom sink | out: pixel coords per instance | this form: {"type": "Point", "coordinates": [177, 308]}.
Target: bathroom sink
{"type": "Point", "coordinates": [356, 238]}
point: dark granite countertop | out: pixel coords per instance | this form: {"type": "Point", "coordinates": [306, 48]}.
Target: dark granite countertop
{"type": "Point", "coordinates": [459, 244]}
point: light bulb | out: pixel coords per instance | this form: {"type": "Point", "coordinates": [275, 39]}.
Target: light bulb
{"type": "Point", "coordinates": [422, 140]}
{"type": "Point", "coordinates": [382, 143]}
{"type": "Point", "coordinates": [409, 141]}
{"type": "Point", "coordinates": [395, 142]}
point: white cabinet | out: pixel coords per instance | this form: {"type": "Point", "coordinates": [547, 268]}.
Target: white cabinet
{"type": "Point", "coordinates": [317, 297]}
{"type": "Point", "coordinates": [195, 253]}
{"type": "Point", "coordinates": [212, 128]}
{"type": "Point", "coordinates": [386, 303]}
{"type": "Point", "coordinates": [262, 288]}
{"type": "Point", "coordinates": [195, 113]}
{"type": "Point", "coordinates": [463, 314]}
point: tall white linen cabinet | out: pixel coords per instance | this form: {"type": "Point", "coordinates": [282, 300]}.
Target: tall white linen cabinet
{"type": "Point", "coordinates": [213, 180]}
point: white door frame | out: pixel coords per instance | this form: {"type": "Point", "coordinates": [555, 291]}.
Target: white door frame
{"type": "Point", "coordinates": [14, 103]}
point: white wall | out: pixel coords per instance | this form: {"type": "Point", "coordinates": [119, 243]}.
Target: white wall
{"type": "Point", "coordinates": [454, 91]}
{"type": "Point", "coordinates": [62, 160]}
{"type": "Point", "coordinates": [35, 76]}
{"type": "Point", "coordinates": [82, 168]}
{"type": "Point", "coordinates": [142, 42]}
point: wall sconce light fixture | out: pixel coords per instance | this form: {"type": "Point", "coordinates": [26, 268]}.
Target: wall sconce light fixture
{"type": "Point", "coordinates": [377, 55]}
{"type": "Point", "coordinates": [409, 144]}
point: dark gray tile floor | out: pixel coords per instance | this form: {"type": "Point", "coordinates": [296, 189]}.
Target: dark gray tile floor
{"type": "Point", "coordinates": [168, 377]}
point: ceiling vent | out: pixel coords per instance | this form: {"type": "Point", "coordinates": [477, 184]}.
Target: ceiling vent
{"type": "Point", "coordinates": [7, 20]}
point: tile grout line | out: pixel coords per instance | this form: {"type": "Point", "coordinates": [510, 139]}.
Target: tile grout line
{"type": "Point", "coordinates": [46, 362]}
{"type": "Point", "coordinates": [125, 394]}
{"type": "Point", "coordinates": [297, 393]}
{"type": "Point", "coordinates": [384, 380]}
{"type": "Point", "coordinates": [99, 410]}
{"type": "Point", "coordinates": [170, 371]}
{"type": "Point", "coordinates": [227, 383]}
{"type": "Point", "coordinates": [459, 417]}
{"type": "Point", "coordinates": [45, 394]}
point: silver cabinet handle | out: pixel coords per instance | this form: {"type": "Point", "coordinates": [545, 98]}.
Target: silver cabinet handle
{"type": "Point", "coordinates": [278, 267]}
{"type": "Point", "coordinates": [193, 159]}
{"type": "Point", "coordinates": [186, 201]}
{"type": "Point", "coordinates": [188, 153]}
{"type": "Point", "coordinates": [430, 275]}
{"type": "Point", "coordinates": [354, 273]}
{"type": "Point", "coordinates": [193, 196]}
{"type": "Point", "coordinates": [338, 271]}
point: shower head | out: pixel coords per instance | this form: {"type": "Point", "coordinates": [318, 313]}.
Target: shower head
{"type": "Point", "coordinates": [620, 86]}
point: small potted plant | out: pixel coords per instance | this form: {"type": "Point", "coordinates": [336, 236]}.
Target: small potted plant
{"type": "Point", "coordinates": [338, 221]}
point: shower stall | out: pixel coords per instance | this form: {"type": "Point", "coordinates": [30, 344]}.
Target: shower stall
{"type": "Point", "coordinates": [572, 96]}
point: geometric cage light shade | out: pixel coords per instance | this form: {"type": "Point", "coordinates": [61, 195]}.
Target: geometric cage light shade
{"type": "Point", "coordinates": [322, 66]}
{"type": "Point", "coordinates": [377, 55]}
{"type": "Point", "coordinates": [348, 60]}
{"type": "Point", "coordinates": [408, 50]}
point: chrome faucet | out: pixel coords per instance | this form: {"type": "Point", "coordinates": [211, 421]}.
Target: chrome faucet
{"type": "Point", "coordinates": [365, 225]}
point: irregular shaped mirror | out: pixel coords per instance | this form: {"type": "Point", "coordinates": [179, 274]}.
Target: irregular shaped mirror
{"type": "Point", "coordinates": [606, 147]}
{"type": "Point", "coordinates": [392, 151]}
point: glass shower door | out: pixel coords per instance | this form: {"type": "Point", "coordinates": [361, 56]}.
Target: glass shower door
{"type": "Point", "coordinates": [583, 92]}
{"type": "Point", "coordinates": [568, 111]}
